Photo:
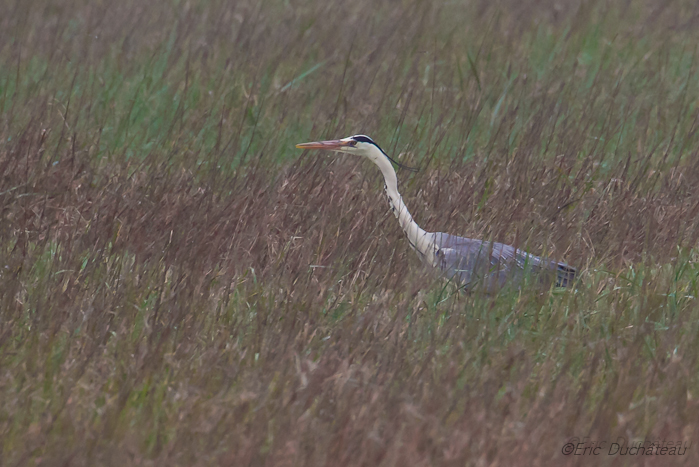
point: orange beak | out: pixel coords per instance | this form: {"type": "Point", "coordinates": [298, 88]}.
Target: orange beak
{"type": "Point", "coordinates": [331, 144]}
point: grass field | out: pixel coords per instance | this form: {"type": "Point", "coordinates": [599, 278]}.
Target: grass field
{"type": "Point", "coordinates": [179, 285]}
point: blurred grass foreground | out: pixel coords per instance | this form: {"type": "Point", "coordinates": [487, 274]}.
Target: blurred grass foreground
{"type": "Point", "coordinates": [179, 285]}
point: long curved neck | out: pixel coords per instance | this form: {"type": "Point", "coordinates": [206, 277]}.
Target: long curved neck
{"type": "Point", "coordinates": [421, 241]}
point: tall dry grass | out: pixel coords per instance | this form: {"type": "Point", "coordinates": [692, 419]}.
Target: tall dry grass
{"type": "Point", "coordinates": [180, 286]}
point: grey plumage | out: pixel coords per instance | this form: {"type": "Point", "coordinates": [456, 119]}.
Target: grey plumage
{"type": "Point", "coordinates": [477, 263]}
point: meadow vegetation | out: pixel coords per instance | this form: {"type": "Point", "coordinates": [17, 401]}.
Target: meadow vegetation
{"type": "Point", "coordinates": [179, 285]}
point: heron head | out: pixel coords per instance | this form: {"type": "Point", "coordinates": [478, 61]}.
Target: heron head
{"type": "Point", "coordinates": [360, 145]}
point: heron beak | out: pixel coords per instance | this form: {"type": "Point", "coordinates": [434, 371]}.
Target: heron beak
{"type": "Point", "coordinates": [331, 145]}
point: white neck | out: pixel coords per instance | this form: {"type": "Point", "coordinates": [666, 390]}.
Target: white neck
{"type": "Point", "coordinates": [421, 241]}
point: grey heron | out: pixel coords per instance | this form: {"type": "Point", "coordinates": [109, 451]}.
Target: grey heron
{"type": "Point", "coordinates": [469, 262]}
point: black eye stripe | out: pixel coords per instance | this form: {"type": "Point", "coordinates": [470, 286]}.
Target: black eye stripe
{"type": "Point", "coordinates": [363, 139]}
{"type": "Point", "coordinates": [366, 139]}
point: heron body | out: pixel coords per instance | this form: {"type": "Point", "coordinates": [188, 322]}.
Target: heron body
{"type": "Point", "coordinates": [469, 262]}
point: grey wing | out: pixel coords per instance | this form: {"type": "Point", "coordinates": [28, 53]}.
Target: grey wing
{"type": "Point", "coordinates": [546, 269]}
{"type": "Point", "coordinates": [471, 262]}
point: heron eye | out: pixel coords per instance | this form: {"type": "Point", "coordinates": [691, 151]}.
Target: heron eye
{"type": "Point", "coordinates": [353, 143]}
